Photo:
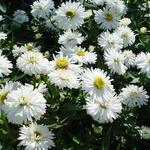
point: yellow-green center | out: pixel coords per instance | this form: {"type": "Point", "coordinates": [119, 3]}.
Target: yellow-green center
{"type": "Point", "coordinates": [24, 101]}
{"type": "Point", "coordinates": [108, 17]}
{"type": "Point", "coordinates": [70, 14]}
{"type": "Point", "coordinates": [3, 96]}
{"type": "Point", "coordinates": [99, 82]}
{"type": "Point", "coordinates": [62, 63]}
{"type": "Point", "coordinates": [37, 136]}
{"type": "Point", "coordinates": [32, 59]}
{"type": "Point", "coordinates": [80, 53]}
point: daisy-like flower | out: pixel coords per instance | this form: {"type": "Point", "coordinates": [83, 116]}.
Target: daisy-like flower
{"type": "Point", "coordinates": [36, 137]}
{"type": "Point", "coordinates": [127, 35]}
{"type": "Point", "coordinates": [3, 36]}
{"type": "Point", "coordinates": [110, 41]}
{"type": "Point", "coordinates": [70, 15]}
{"type": "Point", "coordinates": [5, 90]}
{"type": "Point", "coordinates": [33, 63]}
{"type": "Point", "coordinates": [70, 38]}
{"type": "Point", "coordinates": [5, 66]}
{"type": "Point", "coordinates": [129, 58]}
{"type": "Point", "coordinates": [133, 96]}
{"type": "Point", "coordinates": [96, 83]}
{"type": "Point", "coordinates": [20, 16]}
{"type": "Point", "coordinates": [64, 78]}
{"type": "Point", "coordinates": [61, 62]}
{"type": "Point", "coordinates": [104, 112]}
{"type": "Point", "coordinates": [107, 18]}
{"type": "Point", "coordinates": [115, 61]}
{"type": "Point", "coordinates": [144, 132]}
{"type": "Point", "coordinates": [143, 63]}
{"type": "Point", "coordinates": [117, 5]}
{"type": "Point", "coordinates": [84, 57]}
{"type": "Point", "coordinates": [24, 104]}
{"type": "Point", "coordinates": [98, 2]}
{"type": "Point", "coordinates": [125, 22]}
{"type": "Point", "coordinates": [42, 9]}
{"type": "Point", "coordinates": [18, 50]}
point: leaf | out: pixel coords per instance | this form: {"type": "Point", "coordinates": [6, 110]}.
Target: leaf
{"type": "Point", "coordinates": [2, 7]}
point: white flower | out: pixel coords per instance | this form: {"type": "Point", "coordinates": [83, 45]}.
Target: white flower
{"type": "Point", "coordinates": [42, 87]}
{"type": "Point", "coordinates": [133, 95]}
{"type": "Point", "coordinates": [70, 38]}
{"type": "Point", "coordinates": [82, 56]}
{"type": "Point", "coordinates": [96, 83]}
{"type": "Point", "coordinates": [127, 35]}
{"type": "Point", "coordinates": [20, 16]}
{"type": "Point", "coordinates": [64, 78]}
{"type": "Point", "coordinates": [98, 2]}
{"type": "Point", "coordinates": [125, 22]}
{"type": "Point", "coordinates": [18, 50]}
{"type": "Point", "coordinates": [104, 112]}
{"type": "Point", "coordinates": [5, 66]}
{"type": "Point", "coordinates": [36, 137]}
{"type": "Point", "coordinates": [3, 36]}
{"type": "Point", "coordinates": [143, 62]}
{"type": "Point", "coordinates": [42, 8]}
{"type": "Point", "coordinates": [70, 15]}
{"type": "Point", "coordinates": [33, 63]}
{"type": "Point", "coordinates": [117, 5]}
{"type": "Point", "coordinates": [144, 132]}
{"type": "Point", "coordinates": [110, 41]}
{"type": "Point", "coordinates": [61, 62]}
{"type": "Point", "coordinates": [5, 90]}
{"type": "Point", "coordinates": [24, 104]}
{"type": "Point", "coordinates": [115, 61]}
{"type": "Point", "coordinates": [107, 18]}
{"type": "Point", "coordinates": [129, 58]}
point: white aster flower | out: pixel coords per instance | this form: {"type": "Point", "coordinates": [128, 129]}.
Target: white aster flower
{"type": "Point", "coordinates": [117, 5]}
{"type": "Point", "coordinates": [42, 8]}
{"type": "Point", "coordinates": [70, 15]}
{"type": "Point", "coordinates": [96, 83]}
{"type": "Point", "coordinates": [64, 78]}
{"type": "Point", "coordinates": [104, 112]}
{"type": "Point", "coordinates": [133, 96]}
{"type": "Point", "coordinates": [36, 137]}
{"type": "Point", "coordinates": [5, 66]}
{"type": "Point", "coordinates": [61, 62]}
{"type": "Point", "coordinates": [110, 41]}
{"type": "Point", "coordinates": [33, 63]}
{"type": "Point", "coordinates": [143, 63]}
{"type": "Point", "coordinates": [125, 22]}
{"type": "Point", "coordinates": [24, 104]}
{"type": "Point", "coordinates": [144, 132]}
{"type": "Point", "coordinates": [18, 50]}
{"type": "Point", "coordinates": [70, 38]}
{"type": "Point", "coordinates": [98, 2]}
{"type": "Point", "coordinates": [115, 61]}
{"type": "Point", "coordinates": [127, 35]}
{"type": "Point", "coordinates": [20, 16]}
{"type": "Point", "coordinates": [3, 36]}
{"type": "Point", "coordinates": [82, 56]}
{"type": "Point", "coordinates": [5, 90]}
{"type": "Point", "coordinates": [129, 58]}
{"type": "Point", "coordinates": [107, 18]}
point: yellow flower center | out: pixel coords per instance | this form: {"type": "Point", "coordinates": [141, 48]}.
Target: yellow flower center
{"type": "Point", "coordinates": [104, 106]}
{"type": "Point", "coordinates": [29, 47]}
{"type": "Point", "coordinates": [62, 63]}
{"type": "Point", "coordinates": [32, 59]}
{"type": "Point", "coordinates": [70, 14]}
{"type": "Point", "coordinates": [37, 136]}
{"type": "Point", "coordinates": [24, 101]}
{"type": "Point", "coordinates": [80, 53]}
{"type": "Point", "coordinates": [108, 17]}
{"type": "Point", "coordinates": [99, 82]}
{"type": "Point", "coordinates": [133, 94]}
{"type": "Point", "coordinates": [3, 96]}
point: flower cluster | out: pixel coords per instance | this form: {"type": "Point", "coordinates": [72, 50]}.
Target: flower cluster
{"type": "Point", "coordinates": [89, 59]}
